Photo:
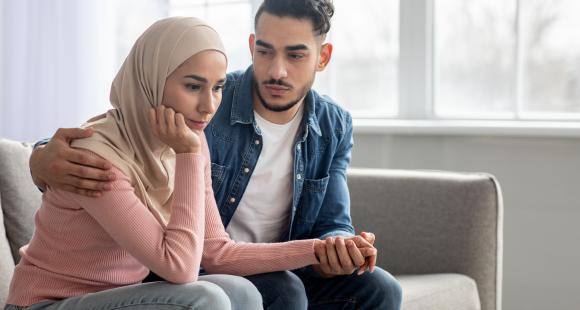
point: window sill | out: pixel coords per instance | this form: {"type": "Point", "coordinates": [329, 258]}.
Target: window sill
{"type": "Point", "coordinates": [468, 128]}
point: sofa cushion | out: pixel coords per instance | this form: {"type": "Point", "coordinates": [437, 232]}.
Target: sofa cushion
{"type": "Point", "coordinates": [439, 291]}
{"type": "Point", "coordinates": [6, 261]}
{"type": "Point", "coordinates": [20, 198]}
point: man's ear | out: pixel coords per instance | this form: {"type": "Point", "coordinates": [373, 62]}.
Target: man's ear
{"type": "Point", "coordinates": [325, 55]}
{"type": "Point", "coordinates": [252, 43]}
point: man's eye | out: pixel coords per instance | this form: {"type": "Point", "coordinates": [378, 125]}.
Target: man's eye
{"type": "Point", "coordinates": [218, 88]}
{"type": "Point", "coordinates": [296, 56]}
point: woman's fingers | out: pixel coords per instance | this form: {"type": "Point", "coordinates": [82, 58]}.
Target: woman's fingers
{"type": "Point", "coordinates": [170, 120]}
{"type": "Point", "coordinates": [153, 121]}
{"type": "Point", "coordinates": [161, 122]}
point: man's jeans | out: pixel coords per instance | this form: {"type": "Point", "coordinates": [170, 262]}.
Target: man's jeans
{"type": "Point", "coordinates": [304, 289]}
{"type": "Point", "coordinates": [210, 292]}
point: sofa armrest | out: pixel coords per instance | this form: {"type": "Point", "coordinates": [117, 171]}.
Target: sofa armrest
{"type": "Point", "coordinates": [433, 222]}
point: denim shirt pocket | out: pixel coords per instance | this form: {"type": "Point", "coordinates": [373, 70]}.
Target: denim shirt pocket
{"type": "Point", "coordinates": [313, 192]}
{"type": "Point", "coordinates": [217, 176]}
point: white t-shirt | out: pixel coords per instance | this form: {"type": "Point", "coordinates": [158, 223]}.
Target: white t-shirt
{"type": "Point", "coordinates": [263, 214]}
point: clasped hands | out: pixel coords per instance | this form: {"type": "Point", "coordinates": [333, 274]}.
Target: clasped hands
{"type": "Point", "coordinates": [343, 255]}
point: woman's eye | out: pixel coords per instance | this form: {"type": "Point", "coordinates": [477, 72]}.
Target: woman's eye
{"type": "Point", "coordinates": [218, 88]}
{"type": "Point", "coordinates": [193, 86]}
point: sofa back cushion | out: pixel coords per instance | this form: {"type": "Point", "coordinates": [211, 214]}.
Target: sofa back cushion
{"type": "Point", "coordinates": [19, 196]}
{"type": "Point", "coordinates": [6, 260]}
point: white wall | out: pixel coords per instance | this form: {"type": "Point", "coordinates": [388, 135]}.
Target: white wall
{"type": "Point", "coordinates": [540, 179]}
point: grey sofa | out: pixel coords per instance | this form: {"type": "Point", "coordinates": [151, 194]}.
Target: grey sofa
{"type": "Point", "coordinates": [440, 233]}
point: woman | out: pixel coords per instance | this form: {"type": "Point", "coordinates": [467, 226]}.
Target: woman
{"type": "Point", "coordinates": [160, 215]}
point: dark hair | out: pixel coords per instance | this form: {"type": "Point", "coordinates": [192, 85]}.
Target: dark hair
{"type": "Point", "coordinates": [318, 11]}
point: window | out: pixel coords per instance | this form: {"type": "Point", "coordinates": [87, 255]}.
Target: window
{"type": "Point", "coordinates": [363, 72]}
{"type": "Point", "coordinates": [233, 20]}
{"type": "Point", "coordinates": [435, 59]}
{"type": "Point", "coordinates": [507, 59]}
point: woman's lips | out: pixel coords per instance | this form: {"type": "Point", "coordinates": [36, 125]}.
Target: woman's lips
{"type": "Point", "coordinates": [193, 124]}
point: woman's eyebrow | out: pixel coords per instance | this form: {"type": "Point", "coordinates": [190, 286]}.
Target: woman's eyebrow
{"type": "Point", "coordinates": [196, 77]}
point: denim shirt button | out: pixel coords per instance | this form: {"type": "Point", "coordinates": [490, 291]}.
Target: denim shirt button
{"type": "Point", "coordinates": [257, 141]}
{"type": "Point", "coordinates": [298, 147]}
{"type": "Point", "coordinates": [299, 176]}
{"type": "Point", "coordinates": [232, 200]}
{"type": "Point", "coordinates": [246, 170]}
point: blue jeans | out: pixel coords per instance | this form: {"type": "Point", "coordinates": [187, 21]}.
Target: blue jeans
{"type": "Point", "coordinates": [210, 292]}
{"type": "Point", "coordinates": [304, 289]}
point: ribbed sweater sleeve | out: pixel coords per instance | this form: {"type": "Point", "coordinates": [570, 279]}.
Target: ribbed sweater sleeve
{"type": "Point", "coordinates": [173, 252]}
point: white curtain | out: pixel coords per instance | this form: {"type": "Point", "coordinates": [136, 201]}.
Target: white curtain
{"type": "Point", "coordinates": [58, 59]}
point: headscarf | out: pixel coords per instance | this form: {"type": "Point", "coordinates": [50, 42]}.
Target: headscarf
{"type": "Point", "coordinates": [123, 135]}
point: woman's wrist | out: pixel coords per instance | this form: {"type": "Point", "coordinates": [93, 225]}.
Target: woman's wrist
{"type": "Point", "coordinates": [191, 149]}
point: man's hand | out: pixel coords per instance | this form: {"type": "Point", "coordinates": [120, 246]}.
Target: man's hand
{"type": "Point", "coordinates": [370, 237]}
{"type": "Point", "coordinates": [57, 165]}
{"type": "Point", "coordinates": [342, 256]}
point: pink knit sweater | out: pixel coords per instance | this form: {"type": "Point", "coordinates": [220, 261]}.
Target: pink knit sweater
{"type": "Point", "coordinates": [83, 245]}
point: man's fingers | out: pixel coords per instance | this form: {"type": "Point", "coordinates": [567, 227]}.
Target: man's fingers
{"type": "Point", "coordinates": [356, 256]}
{"type": "Point", "coordinates": [86, 172]}
{"type": "Point", "coordinates": [332, 256]}
{"type": "Point", "coordinates": [82, 158]}
{"type": "Point", "coordinates": [88, 184]}
{"type": "Point", "coordinates": [372, 263]}
{"type": "Point", "coordinates": [366, 252]}
{"type": "Point", "coordinates": [346, 263]}
{"type": "Point", "coordinates": [67, 134]}
{"type": "Point", "coordinates": [371, 256]}
{"type": "Point", "coordinates": [84, 192]}
{"type": "Point", "coordinates": [323, 258]}
{"type": "Point", "coordinates": [361, 242]}
{"type": "Point", "coordinates": [370, 237]}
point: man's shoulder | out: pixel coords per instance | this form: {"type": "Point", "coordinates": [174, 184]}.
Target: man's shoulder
{"type": "Point", "coordinates": [330, 113]}
{"type": "Point", "coordinates": [232, 78]}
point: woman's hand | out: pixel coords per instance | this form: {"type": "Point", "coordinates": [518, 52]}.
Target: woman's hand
{"type": "Point", "coordinates": [170, 128]}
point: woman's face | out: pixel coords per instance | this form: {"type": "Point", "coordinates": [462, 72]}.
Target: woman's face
{"type": "Point", "coordinates": [194, 89]}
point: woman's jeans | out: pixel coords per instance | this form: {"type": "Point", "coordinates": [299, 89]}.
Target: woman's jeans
{"type": "Point", "coordinates": [209, 292]}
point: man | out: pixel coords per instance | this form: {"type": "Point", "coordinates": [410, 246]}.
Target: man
{"type": "Point", "coordinates": [279, 155]}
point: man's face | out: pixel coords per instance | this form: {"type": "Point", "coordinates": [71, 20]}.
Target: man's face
{"type": "Point", "coordinates": [286, 54]}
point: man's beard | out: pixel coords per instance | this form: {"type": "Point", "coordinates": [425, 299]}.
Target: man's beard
{"type": "Point", "coordinates": [284, 107]}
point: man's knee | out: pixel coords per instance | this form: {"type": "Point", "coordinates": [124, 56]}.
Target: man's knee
{"type": "Point", "coordinates": [383, 289]}
{"type": "Point", "coordinates": [294, 290]}
{"type": "Point", "coordinates": [281, 289]}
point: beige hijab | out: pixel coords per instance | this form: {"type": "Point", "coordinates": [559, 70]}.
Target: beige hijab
{"type": "Point", "coordinates": [123, 135]}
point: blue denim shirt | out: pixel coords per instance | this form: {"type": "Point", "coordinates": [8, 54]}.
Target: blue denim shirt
{"type": "Point", "coordinates": [322, 150]}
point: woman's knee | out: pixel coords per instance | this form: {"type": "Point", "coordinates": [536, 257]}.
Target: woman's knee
{"type": "Point", "coordinates": [241, 292]}
{"type": "Point", "coordinates": [208, 295]}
